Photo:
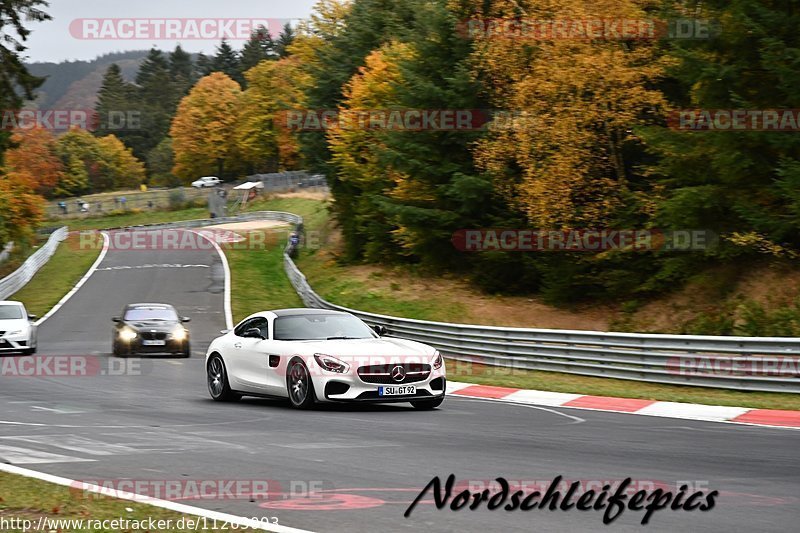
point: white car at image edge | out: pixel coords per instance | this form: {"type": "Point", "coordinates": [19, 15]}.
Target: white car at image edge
{"type": "Point", "coordinates": [17, 330]}
{"type": "Point", "coordinates": [207, 181]}
{"type": "Point", "coordinates": [313, 355]}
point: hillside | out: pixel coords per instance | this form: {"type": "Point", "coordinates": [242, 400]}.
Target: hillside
{"type": "Point", "coordinates": [74, 84]}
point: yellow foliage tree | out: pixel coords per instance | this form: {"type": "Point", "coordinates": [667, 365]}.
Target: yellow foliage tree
{"type": "Point", "coordinates": [574, 104]}
{"type": "Point", "coordinates": [204, 128]}
{"type": "Point", "coordinates": [263, 139]}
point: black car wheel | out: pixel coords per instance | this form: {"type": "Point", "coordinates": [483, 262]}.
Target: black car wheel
{"type": "Point", "coordinates": [300, 386]}
{"type": "Point", "coordinates": [218, 385]}
{"type": "Point", "coordinates": [187, 351]}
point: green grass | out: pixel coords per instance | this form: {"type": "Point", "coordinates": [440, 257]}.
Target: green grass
{"type": "Point", "coordinates": [57, 277]}
{"type": "Point", "coordinates": [134, 218]}
{"type": "Point", "coordinates": [29, 499]}
{"type": "Point", "coordinates": [258, 280]}
{"type": "Point", "coordinates": [569, 383]}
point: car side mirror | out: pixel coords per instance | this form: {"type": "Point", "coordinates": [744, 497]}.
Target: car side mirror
{"type": "Point", "coordinates": [32, 317]}
{"type": "Point", "coordinates": [116, 319]}
{"type": "Point", "coordinates": [253, 333]}
{"type": "Point", "coordinates": [185, 319]}
{"type": "Point", "coordinates": [380, 330]}
{"type": "Point", "coordinates": [224, 331]}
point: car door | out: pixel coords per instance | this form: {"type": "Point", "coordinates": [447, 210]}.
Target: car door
{"type": "Point", "coordinates": [247, 363]}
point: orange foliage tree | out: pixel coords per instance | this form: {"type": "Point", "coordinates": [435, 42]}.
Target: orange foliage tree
{"type": "Point", "coordinates": [204, 128]}
{"type": "Point", "coordinates": [33, 159]}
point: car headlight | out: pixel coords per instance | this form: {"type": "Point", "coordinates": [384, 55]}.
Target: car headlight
{"type": "Point", "coordinates": [437, 360]}
{"type": "Point", "coordinates": [331, 364]}
{"type": "Point", "coordinates": [127, 334]}
{"type": "Point", "coordinates": [179, 334]}
{"type": "Point", "coordinates": [16, 332]}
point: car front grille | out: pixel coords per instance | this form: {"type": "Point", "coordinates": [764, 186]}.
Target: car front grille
{"type": "Point", "coordinates": [382, 374]}
{"type": "Point", "coordinates": [150, 336]}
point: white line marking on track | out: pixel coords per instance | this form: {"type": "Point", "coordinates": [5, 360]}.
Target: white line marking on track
{"type": "Point", "coordinates": [170, 506]}
{"type": "Point", "coordinates": [74, 443]}
{"type": "Point", "coordinates": [22, 456]}
{"type": "Point", "coordinates": [575, 419]}
{"type": "Point", "coordinates": [80, 283]}
{"type": "Point", "coordinates": [227, 269]}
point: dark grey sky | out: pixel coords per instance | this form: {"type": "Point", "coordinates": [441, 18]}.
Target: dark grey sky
{"type": "Point", "coordinates": [58, 39]}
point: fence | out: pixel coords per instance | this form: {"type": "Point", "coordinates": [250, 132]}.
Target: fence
{"type": "Point", "coordinates": [16, 280]}
{"type": "Point", "coordinates": [284, 181]}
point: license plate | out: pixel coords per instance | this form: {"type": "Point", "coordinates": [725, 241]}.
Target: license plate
{"type": "Point", "coordinates": [154, 343]}
{"type": "Point", "coordinates": [403, 390]}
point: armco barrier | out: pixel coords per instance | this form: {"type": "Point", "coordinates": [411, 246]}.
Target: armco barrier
{"type": "Point", "coordinates": [628, 356]}
{"type": "Point", "coordinates": [17, 279]}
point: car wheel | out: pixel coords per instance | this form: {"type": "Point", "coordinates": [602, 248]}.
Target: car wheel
{"type": "Point", "coordinates": [427, 405]}
{"type": "Point", "coordinates": [218, 385]}
{"type": "Point", "coordinates": [299, 386]}
{"type": "Point", "coordinates": [187, 351]}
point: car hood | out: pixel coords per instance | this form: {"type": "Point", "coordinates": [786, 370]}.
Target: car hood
{"type": "Point", "coordinates": [157, 326]}
{"type": "Point", "coordinates": [14, 324]}
{"type": "Point", "coordinates": [361, 348]}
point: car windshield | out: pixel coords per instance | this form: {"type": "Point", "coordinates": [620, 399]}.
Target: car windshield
{"type": "Point", "coordinates": [151, 313]}
{"type": "Point", "coordinates": [320, 327]}
{"type": "Point", "coordinates": [10, 312]}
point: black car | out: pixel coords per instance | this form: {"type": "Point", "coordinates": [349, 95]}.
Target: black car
{"type": "Point", "coordinates": [150, 329]}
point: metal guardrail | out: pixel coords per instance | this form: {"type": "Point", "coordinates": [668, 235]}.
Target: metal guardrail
{"type": "Point", "coordinates": [20, 277]}
{"type": "Point", "coordinates": [770, 364]}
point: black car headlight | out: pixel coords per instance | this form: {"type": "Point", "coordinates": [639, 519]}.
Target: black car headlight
{"type": "Point", "coordinates": [438, 361]}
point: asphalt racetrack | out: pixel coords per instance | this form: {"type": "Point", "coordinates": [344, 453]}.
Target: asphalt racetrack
{"type": "Point", "coordinates": [155, 422]}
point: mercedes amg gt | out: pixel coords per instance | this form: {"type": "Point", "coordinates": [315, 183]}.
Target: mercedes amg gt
{"type": "Point", "coordinates": [316, 355]}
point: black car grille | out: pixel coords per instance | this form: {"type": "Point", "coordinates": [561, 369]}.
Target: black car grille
{"type": "Point", "coordinates": [382, 374]}
{"type": "Point", "coordinates": [150, 336]}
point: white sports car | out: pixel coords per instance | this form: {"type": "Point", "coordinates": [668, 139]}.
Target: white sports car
{"type": "Point", "coordinates": [316, 355]}
{"type": "Point", "coordinates": [17, 330]}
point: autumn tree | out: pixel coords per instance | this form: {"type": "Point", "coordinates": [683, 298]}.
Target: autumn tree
{"type": "Point", "coordinates": [33, 159]}
{"type": "Point", "coordinates": [94, 164]}
{"type": "Point", "coordinates": [204, 128]}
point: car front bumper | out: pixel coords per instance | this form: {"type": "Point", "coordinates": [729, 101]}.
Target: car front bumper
{"type": "Point", "coordinates": [16, 343]}
{"type": "Point", "coordinates": [351, 388]}
{"type": "Point", "coordinates": [135, 346]}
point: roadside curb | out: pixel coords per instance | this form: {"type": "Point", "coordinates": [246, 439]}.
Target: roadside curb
{"type": "Point", "coordinates": [687, 411]}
